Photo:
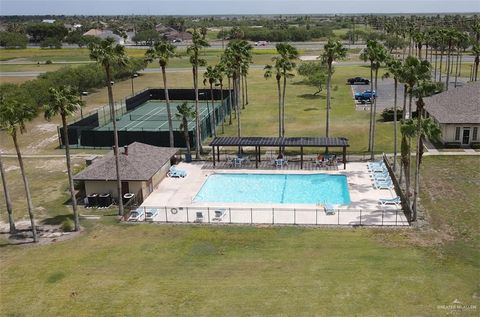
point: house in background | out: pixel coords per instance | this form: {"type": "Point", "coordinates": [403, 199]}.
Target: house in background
{"type": "Point", "coordinates": [457, 113]}
{"type": "Point", "coordinates": [142, 167]}
{"type": "Point", "coordinates": [103, 34]}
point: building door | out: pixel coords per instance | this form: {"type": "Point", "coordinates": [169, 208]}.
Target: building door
{"type": "Point", "coordinates": [466, 136]}
{"type": "Point", "coordinates": [125, 188]}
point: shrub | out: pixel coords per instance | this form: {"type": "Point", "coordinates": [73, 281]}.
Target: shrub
{"type": "Point", "coordinates": [48, 62]}
{"type": "Point", "coordinates": [68, 225]}
{"type": "Point", "coordinates": [387, 114]}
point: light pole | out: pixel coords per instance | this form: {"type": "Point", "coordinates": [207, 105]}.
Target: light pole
{"type": "Point", "coordinates": [83, 93]}
{"type": "Point", "coordinates": [132, 77]}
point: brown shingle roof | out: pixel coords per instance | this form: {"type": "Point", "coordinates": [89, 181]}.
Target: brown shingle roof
{"type": "Point", "coordinates": [141, 163]}
{"type": "Point", "coordinates": [457, 105]}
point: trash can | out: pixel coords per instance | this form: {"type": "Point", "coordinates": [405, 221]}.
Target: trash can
{"type": "Point", "coordinates": [92, 200]}
{"type": "Point", "coordinates": [127, 197]}
{"type": "Point", "coordinates": [188, 158]}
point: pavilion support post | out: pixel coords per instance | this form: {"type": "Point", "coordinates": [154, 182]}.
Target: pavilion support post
{"type": "Point", "coordinates": [218, 153]}
{"type": "Point", "coordinates": [213, 152]}
{"type": "Point", "coordinates": [256, 157]}
{"type": "Point", "coordinates": [259, 155]}
{"type": "Point", "coordinates": [344, 157]}
{"type": "Point", "coordinates": [301, 157]}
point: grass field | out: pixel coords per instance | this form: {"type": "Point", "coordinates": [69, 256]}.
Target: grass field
{"type": "Point", "coordinates": [152, 270]}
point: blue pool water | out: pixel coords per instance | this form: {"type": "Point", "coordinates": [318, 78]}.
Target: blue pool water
{"type": "Point", "coordinates": [275, 188]}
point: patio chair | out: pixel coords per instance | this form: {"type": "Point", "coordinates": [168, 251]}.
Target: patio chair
{"type": "Point", "coordinates": [280, 162]}
{"type": "Point", "coordinates": [390, 201]}
{"type": "Point", "coordinates": [175, 172]}
{"type": "Point", "coordinates": [383, 184]}
{"type": "Point", "coordinates": [320, 163]}
{"type": "Point", "coordinates": [219, 214]}
{"type": "Point", "coordinates": [329, 209]}
{"type": "Point", "coordinates": [199, 217]}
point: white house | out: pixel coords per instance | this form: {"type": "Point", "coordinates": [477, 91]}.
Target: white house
{"type": "Point", "coordinates": [457, 112]}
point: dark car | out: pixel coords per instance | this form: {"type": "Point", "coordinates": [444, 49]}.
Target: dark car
{"type": "Point", "coordinates": [358, 81]}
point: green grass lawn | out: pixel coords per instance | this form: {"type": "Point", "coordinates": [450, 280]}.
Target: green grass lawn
{"type": "Point", "coordinates": [152, 270]}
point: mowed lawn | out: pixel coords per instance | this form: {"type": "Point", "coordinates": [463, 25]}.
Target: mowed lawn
{"type": "Point", "coordinates": [152, 270]}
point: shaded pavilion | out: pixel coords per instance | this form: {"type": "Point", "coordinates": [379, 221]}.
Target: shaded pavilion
{"type": "Point", "coordinates": [259, 142]}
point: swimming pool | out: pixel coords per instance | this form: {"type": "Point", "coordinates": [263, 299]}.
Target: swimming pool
{"type": "Point", "coordinates": [275, 188]}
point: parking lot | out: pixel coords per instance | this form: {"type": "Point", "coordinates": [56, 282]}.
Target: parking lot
{"type": "Point", "coordinates": [385, 95]}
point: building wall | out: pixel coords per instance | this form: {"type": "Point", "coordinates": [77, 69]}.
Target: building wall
{"type": "Point", "coordinates": [449, 133]}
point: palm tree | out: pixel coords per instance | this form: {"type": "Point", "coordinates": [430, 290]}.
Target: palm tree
{"type": "Point", "coordinates": [194, 51]}
{"type": "Point", "coordinates": [64, 101]}
{"type": "Point", "coordinates": [376, 54]}
{"type": "Point", "coordinates": [237, 53]}
{"type": "Point", "coordinates": [277, 70]}
{"type": "Point", "coordinates": [332, 51]}
{"type": "Point", "coordinates": [227, 70]}
{"type": "Point", "coordinates": [424, 128]}
{"type": "Point", "coordinates": [14, 112]}
{"type": "Point", "coordinates": [210, 76]}
{"type": "Point", "coordinates": [107, 54]}
{"type": "Point", "coordinates": [8, 201]}
{"type": "Point", "coordinates": [476, 52]}
{"type": "Point", "coordinates": [163, 51]}
{"type": "Point", "coordinates": [288, 55]}
{"type": "Point", "coordinates": [408, 130]}
{"type": "Point", "coordinates": [184, 113]}
{"type": "Point", "coordinates": [394, 67]}
{"type": "Point", "coordinates": [413, 72]}
{"type": "Point", "coordinates": [220, 72]}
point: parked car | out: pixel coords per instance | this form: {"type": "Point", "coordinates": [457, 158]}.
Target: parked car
{"type": "Point", "coordinates": [137, 215]}
{"type": "Point", "coordinates": [261, 43]}
{"type": "Point", "coordinates": [366, 95]}
{"type": "Point", "coordinates": [151, 214]}
{"type": "Point", "coordinates": [358, 81]}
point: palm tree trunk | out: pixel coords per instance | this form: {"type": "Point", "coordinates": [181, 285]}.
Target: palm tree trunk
{"type": "Point", "coordinates": [185, 133]}
{"type": "Point", "coordinates": [115, 140]}
{"type": "Point", "coordinates": [417, 162]}
{"type": "Point", "coordinates": [371, 109]}
{"type": "Point", "coordinates": [456, 68]}
{"type": "Point", "coordinates": [69, 172]}
{"type": "Point", "coordinates": [410, 97]}
{"type": "Point", "coordinates": [242, 85]}
{"type": "Point", "coordinates": [279, 108]}
{"type": "Point", "coordinates": [372, 154]}
{"type": "Point", "coordinates": [477, 61]}
{"type": "Point", "coordinates": [327, 123]}
{"type": "Point", "coordinates": [222, 106]}
{"type": "Point", "coordinates": [8, 200]}
{"type": "Point", "coordinates": [230, 102]}
{"type": "Point", "coordinates": [246, 90]}
{"type": "Point", "coordinates": [283, 104]}
{"type": "Point", "coordinates": [26, 186]}
{"type": "Point", "coordinates": [197, 115]}
{"type": "Point", "coordinates": [436, 58]}
{"type": "Point", "coordinates": [395, 125]}
{"type": "Point", "coordinates": [440, 68]}
{"type": "Point", "coordinates": [404, 111]}
{"type": "Point", "coordinates": [169, 112]}
{"type": "Point", "coordinates": [460, 65]}
{"type": "Point", "coordinates": [448, 67]}
{"type": "Point", "coordinates": [212, 118]}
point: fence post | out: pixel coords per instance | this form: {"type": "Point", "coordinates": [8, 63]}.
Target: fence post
{"type": "Point", "coordinates": [338, 217]}
{"type": "Point", "coordinates": [383, 212]}
{"type": "Point", "coordinates": [187, 215]}
{"type": "Point", "coordinates": [208, 211]}
{"type": "Point", "coordinates": [294, 216]}
{"type": "Point", "coordinates": [230, 215]}
{"type": "Point", "coordinates": [316, 216]}
{"type": "Point", "coordinates": [360, 216]}
{"type": "Point", "coordinates": [166, 216]}
{"type": "Point", "coordinates": [273, 216]}
{"type": "Point", "coordinates": [251, 216]}
{"type": "Point", "coordinates": [396, 215]}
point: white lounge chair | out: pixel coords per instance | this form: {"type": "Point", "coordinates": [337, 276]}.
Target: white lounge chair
{"type": "Point", "coordinates": [329, 209]}
{"type": "Point", "coordinates": [219, 214]}
{"type": "Point", "coordinates": [390, 201]}
{"type": "Point", "coordinates": [199, 217]}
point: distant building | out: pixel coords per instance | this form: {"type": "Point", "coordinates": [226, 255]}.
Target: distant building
{"type": "Point", "coordinates": [457, 113]}
{"type": "Point", "coordinates": [142, 167]}
{"type": "Point", "coordinates": [48, 21]}
{"type": "Point", "coordinates": [172, 34]}
{"type": "Point", "coordinates": [103, 34]}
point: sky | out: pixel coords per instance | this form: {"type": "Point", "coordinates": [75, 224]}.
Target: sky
{"type": "Point", "coordinates": [232, 7]}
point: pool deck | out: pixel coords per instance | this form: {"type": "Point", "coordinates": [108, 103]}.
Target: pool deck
{"type": "Point", "coordinates": [364, 209]}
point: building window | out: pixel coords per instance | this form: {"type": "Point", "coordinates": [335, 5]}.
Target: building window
{"type": "Point", "coordinates": [457, 134]}
{"type": "Point", "coordinates": [475, 134]}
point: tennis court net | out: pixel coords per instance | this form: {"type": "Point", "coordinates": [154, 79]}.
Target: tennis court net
{"type": "Point", "coordinates": [146, 117]}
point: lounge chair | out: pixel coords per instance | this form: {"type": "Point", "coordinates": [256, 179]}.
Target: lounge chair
{"type": "Point", "coordinates": [329, 209]}
{"type": "Point", "coordinates": [280, 162]}
{"type": "Point", "coordinates": [320, 163]}
{"type": "Point", "coordinates": [219, 214]}
{"type": "Point", "coordinates": [383, 184]}
{"type": "Point", "coordinates": [175, 172]}
{"type": "Point", "coordinates": [379, 177]}
{"type": "Point", "coordinates": [390, 201]}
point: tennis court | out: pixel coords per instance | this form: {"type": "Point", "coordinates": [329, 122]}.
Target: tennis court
{"type": "Point", "coordinates": [152, 115]}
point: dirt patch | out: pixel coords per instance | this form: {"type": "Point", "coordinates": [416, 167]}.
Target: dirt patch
{"type": "Point", "coordinates": [45, 127]}
{"type": "Point", "coordinates": [35, 148]}
{"type": "Point", "coordinates": [52, 165]}
{"type": "Point", "coordinates": [12, 168]}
